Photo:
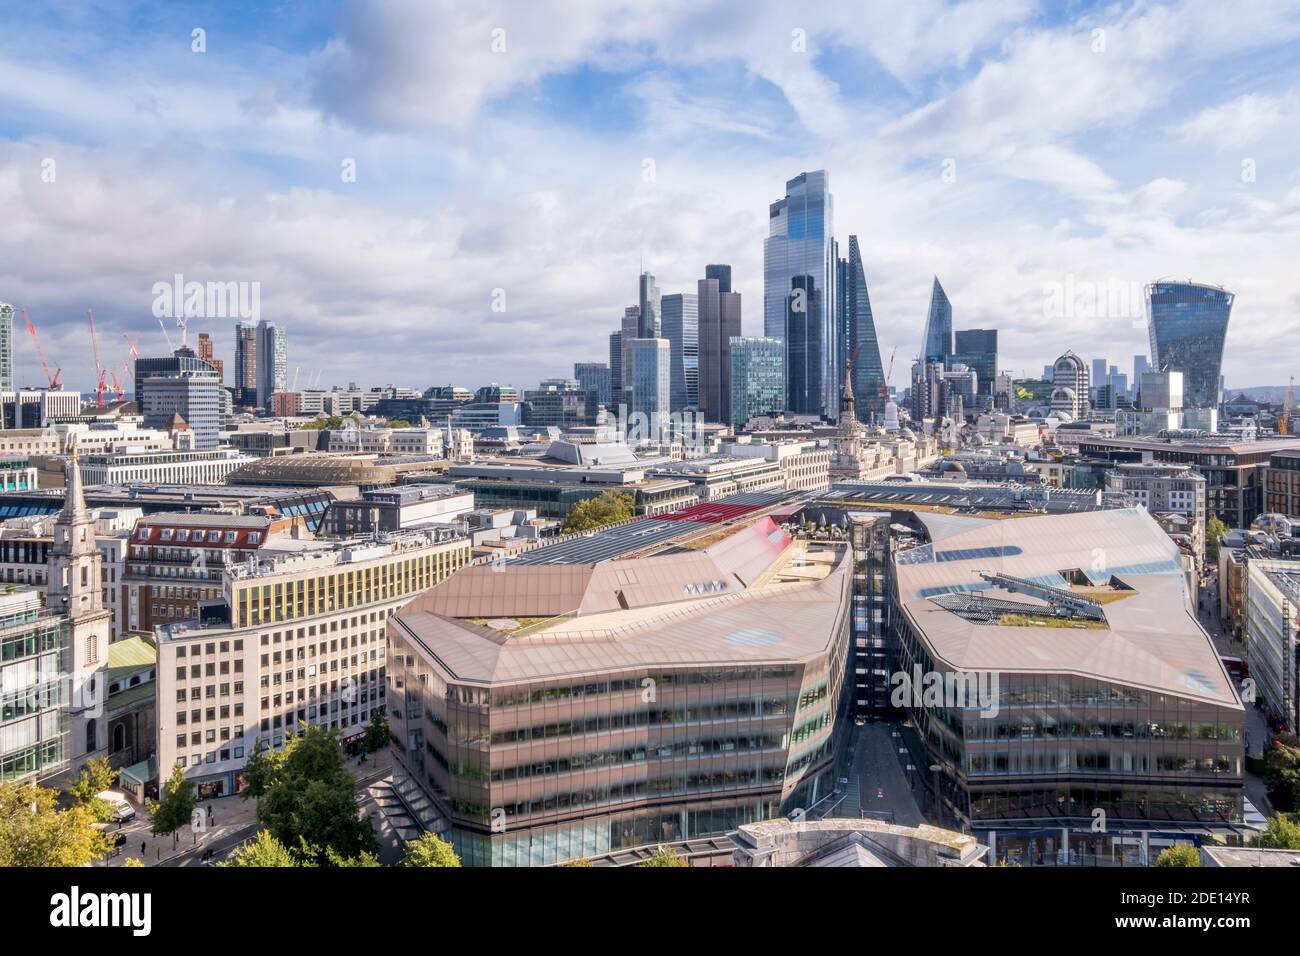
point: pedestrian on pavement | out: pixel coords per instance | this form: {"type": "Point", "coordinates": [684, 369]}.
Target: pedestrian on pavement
{"type": "Point", "coordinates": [142, 847]}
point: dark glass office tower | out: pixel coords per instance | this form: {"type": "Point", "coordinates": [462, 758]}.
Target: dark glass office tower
{"type": "Point", "coordinates": [1188, 323]}
{"type": "Point", "coordinates": [801, 244]}
{"type": "Point", "coordinates": [937, 345]}
{"type": "Point", "coordinates": [858, 336]}
{"type": "Point", "coordinates": [648, 302]}
{"type": "Point", "coordinates": [977, 349]}
{"type": "Point", "coordinates": [719, 311]}
{"type": "Point", "coordinates": [803, 347]}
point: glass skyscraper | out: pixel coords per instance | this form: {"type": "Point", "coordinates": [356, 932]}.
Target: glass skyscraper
{"type": "Point", "coordinates": [757, 378]}
{"type": "Point", "coordinates": [859, 336]}
{"type": "Point", "coordinates": [680, 321]}
{"type": "Point", "coordinates": [1188, 323]}
{"type": "Point", "coordinates": [6, 346]}
{"type": "Point", "coordinates": [937, 345]}
{"type": "Point", "coordinates": [801, 245]}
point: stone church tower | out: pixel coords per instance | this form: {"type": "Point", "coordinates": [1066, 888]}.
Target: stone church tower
{"type": "Point", "coordinates": [74, 591]}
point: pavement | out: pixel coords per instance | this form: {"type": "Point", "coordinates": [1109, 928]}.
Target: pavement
{"type": "Point", "coordinates": [878, 785]}
{"type": "Point", "coordinates": [234, 820]}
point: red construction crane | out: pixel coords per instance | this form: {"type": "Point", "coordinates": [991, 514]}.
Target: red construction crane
{"type": "Point", "coordinates": [54, 381]}
{"type": "Point", "coordinates": [102, 373]}
{"type": "Point", "coordinates": [117, 387]}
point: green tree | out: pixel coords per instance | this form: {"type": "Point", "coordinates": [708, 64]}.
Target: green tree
{"type": "Point", "coordinates": [1180, 854]}
{"type": "Point", "coordinates": [263, 850]}
{"type": "Point", "coordinates": [1214, 530]}
{"type": "Point", "coordinates": [96, 777]}
{"type": "Point", "coordinates": [397, 423]}
{"type": "Point", "coordinates": [310, 802]}
{"type": "Point", "coordinates": [260, 770]}
{"type": "Point", "coordinates": [34, 832]}
{"type": "Point", "coordinates": [607, 508]}
{"type": "Point", "coordinates": [266, 851]}
{"type": "Point", "coordinates": [663, 856]}
{"type": "Point", "coordinates": [429, 849]}
{"type": "Point", "coordinates": [1281, 833]}
{"type": "Point", "coordinates": [176, 805]}
{"type": "Point", "coordinates": [1282, 771]}
{"type": "Point", "coordinates": [580, 861]}
{"type": "Point", "coordinates": [377, 733]}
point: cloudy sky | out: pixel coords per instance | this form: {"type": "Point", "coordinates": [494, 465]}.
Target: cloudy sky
{"type": "Point", "coordinates": [382, 168]}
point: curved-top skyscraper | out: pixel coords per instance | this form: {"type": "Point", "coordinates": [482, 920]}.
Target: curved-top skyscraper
{"type": "Point", "coordinates": [799, 271]}
{"type": "Point", "coordinates": [1188, 323]}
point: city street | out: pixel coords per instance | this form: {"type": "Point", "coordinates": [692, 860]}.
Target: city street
{"type": "Point", "coordinates": [234, 820]}
{"type": "Point", "coordinates": [881, 789]}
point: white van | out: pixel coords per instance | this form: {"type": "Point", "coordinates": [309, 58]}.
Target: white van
{"type": "Point", "coordinates": [122, 809]}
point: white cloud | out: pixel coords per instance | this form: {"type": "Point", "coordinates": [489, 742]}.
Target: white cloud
{"type": "Point", "coordinates": [1239, 123]}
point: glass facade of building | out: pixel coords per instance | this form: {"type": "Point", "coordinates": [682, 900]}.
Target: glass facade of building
{"type": "Point", "coordinates": [937, 344]}
{"type": "Point", "coordinates": [1061, 746]}
{"type": "Point", "coordinates": [858, 336]}
{"type": "Point", "coordinates": [1188, 324]}
{"type": "Point", "coordinates": [757, 378]}
{"type": "Point", "coordinates": [801, 244]}
{"type": "Point", "coordinates": [680, 321]}
{"type": "Point", "coordinates": [33, 695]}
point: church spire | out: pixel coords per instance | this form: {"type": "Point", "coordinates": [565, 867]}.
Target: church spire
{"type": "Point", "coordinates": [74, 501]}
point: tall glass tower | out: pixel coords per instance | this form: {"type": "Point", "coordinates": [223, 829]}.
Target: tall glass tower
{"type": "Point", "coordinates": [680, 322]}
{"type": "Point", "coordinates": [937, 345]}
{"type": "Point", "coordinates": [1188, 323]}
{"type": "Point", "coordinates": [801, 244]}
{"type": "Point", "coordinates": [859, 336]}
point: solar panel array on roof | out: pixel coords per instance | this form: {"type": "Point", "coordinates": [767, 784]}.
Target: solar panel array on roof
{"type": "Point", "coordinates": [606, 544]}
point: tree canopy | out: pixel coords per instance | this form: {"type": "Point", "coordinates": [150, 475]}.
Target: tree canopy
{"type": "Point", "coordinates": [609, 507]}
{"type": "Point", "coordinates": [96, 777]}
{"type": "Point", "coordinates": [1281, 833]}
{"type": "Point", "coordinates": [430, 850]}
{"type": "Point", "coordinates": [1214, 530]}
{"type": "Point", "coordinates": [377, 732]}
{"type": "Point", "coordinates": [266, 851]}
{"type": "Point", "coordinates": [175, 806]}
{"type": "Point", "coordinates": [34, 832]}
{"type": "Point", "coordinates": [663, 856]}
{"type": "Point", "coordinates": [310, 801]}
{"type": "Point", "coordinates": [1180, 854]}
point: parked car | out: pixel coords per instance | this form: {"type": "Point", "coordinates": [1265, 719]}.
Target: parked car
{"type": "Point", "coordinates": [122, 809]}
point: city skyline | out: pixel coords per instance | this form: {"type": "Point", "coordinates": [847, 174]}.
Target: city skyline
{"type": "Point", "coordinates": [259, 160]}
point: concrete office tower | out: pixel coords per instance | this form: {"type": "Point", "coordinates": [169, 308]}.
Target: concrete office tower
{"type": "Point", "coordinates": [651, 378]}
{"type": "Point", "coordinates": [272, 362]}
{"type": "Point", "coordinates": [180, 384]}
{"type": "Point", "coordinates": [803, 347]}
{"type": "Point", "coordinates": [757, 378]}
{"type": "Point", "coordinates": [6, 347]}
{"type": "Point", "coordinates": [1188, 323]}
{"type": "Point", "coordinates": [631, 330]}
{"type": "Point", "coordinates": [799, 254]}
{"type": "Point", "coordinates": [593, 377]}
{"type": "Point", "coordinates": [858, 337]}
{"type": "Point", "coordinates": [648, 303]}
{"type": "Point", "coordinates": [245, 365]}
{"type": "Point", "coordinates": [1070, 386]}
{"type": "Point", "coordinates": [936, 345]}
{"type": "Point", "coordinates": [680, 323]}
{"type": "Point", "coordinates": [719, 324]}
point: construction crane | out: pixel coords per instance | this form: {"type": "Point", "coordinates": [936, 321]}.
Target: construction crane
{"type": "Point", "coordinates": [117, 387]}
{"type": "Point", "coordinates": [101, 373]}
{"type": "Point", "coordinates": [1284, 420]}
{"type": "Point", "coordinates": [54, 381]}
{"type": "Point", "coordinates": [889, 375]}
